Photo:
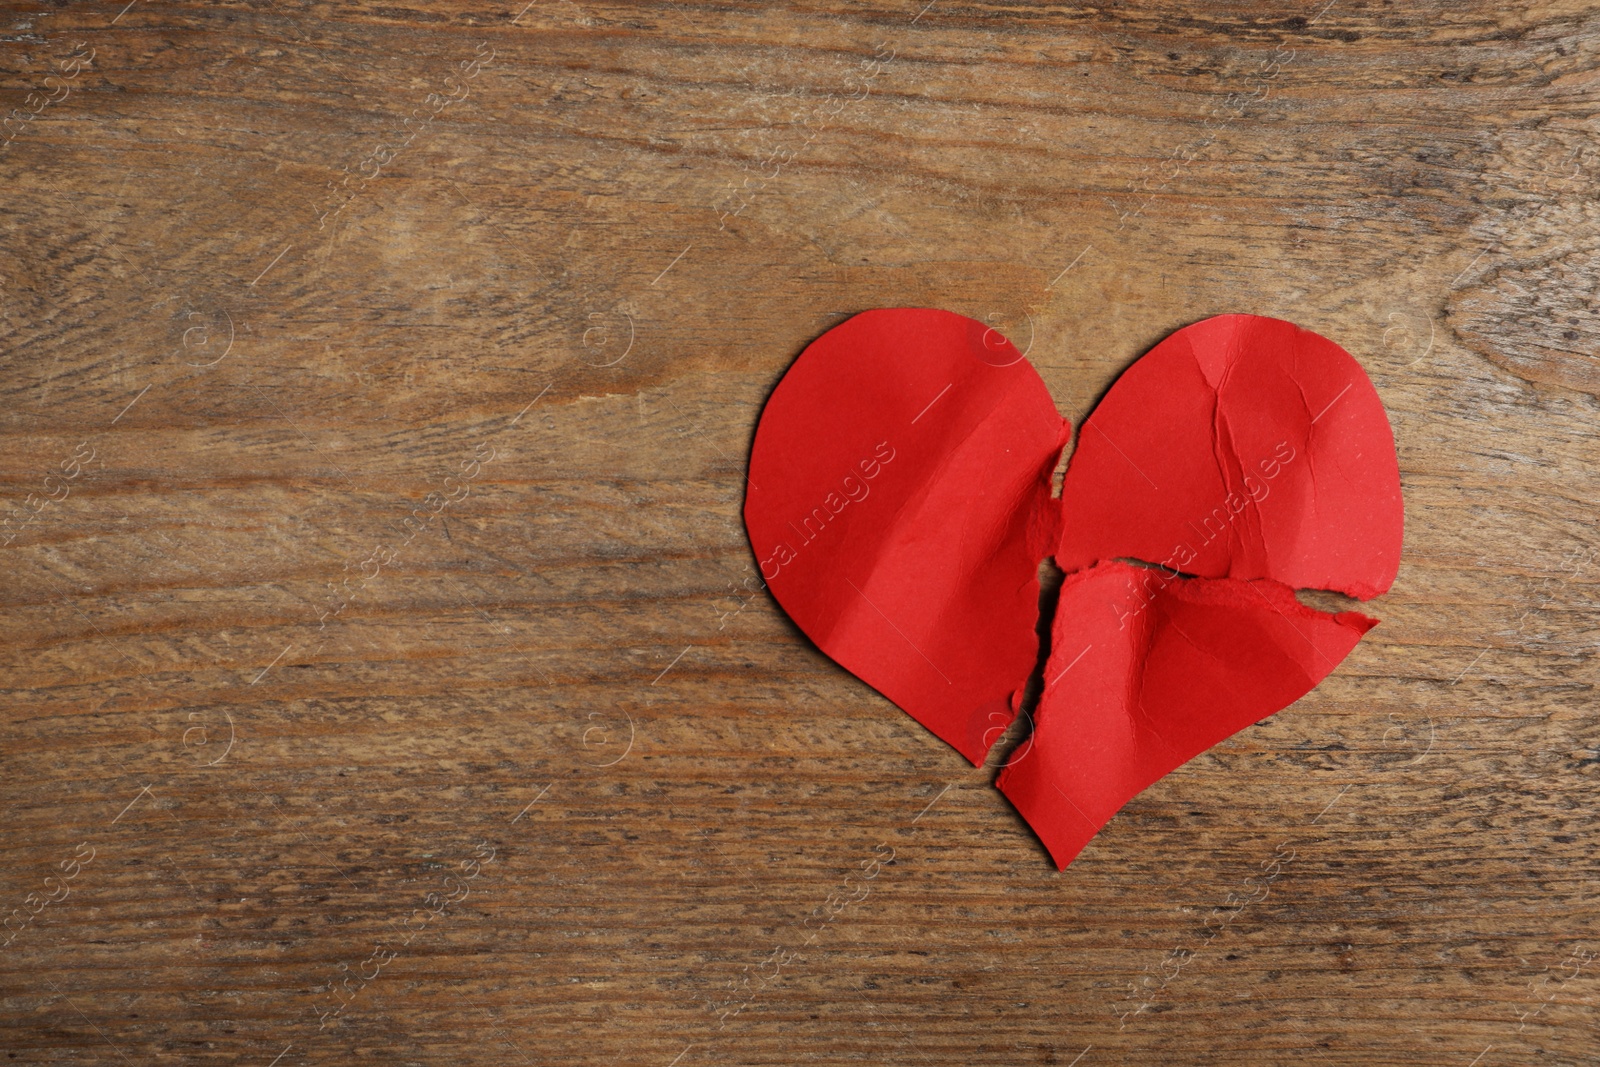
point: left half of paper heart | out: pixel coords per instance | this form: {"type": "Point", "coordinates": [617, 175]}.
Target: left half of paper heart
{"type": "Point", "coordinates": [899, 505]}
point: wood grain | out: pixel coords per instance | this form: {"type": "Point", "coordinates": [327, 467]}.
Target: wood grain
{"type": "Point", "coordinates": [386, 674]}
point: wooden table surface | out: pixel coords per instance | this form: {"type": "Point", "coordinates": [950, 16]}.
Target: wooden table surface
{"type": "Point", "coordinates": [387, 676]}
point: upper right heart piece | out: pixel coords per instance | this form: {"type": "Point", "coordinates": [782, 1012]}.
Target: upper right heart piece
{"type": "Point", "coordinates": [1240, 459]}
{"type": "Point", "coordinates": [1242, 447]}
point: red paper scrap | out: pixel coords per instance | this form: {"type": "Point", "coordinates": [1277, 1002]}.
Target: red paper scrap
{"type": "Point", "coordinates": [1242, 447]}
{"type": "Point", "coordinates": [899, 507]}
{"type": "Point", "coordinates": [1147, 671]}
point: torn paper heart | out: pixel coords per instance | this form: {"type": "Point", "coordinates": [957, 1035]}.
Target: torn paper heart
{"type": "Point", "coordinates": [900, 506]}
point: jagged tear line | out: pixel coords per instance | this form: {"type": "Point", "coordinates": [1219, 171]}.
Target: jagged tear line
{"type": "Point", "coordinates": [1331, 601]}
{"type": "Point", "coordinates": [1017, 738]}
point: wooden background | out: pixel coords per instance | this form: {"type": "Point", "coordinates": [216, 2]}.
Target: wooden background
{"type": "Point", "coordinates": [386, 674]}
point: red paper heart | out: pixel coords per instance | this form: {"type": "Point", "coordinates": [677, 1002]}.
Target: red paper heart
{"type": "Point", "coordinates": [900, 507]}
